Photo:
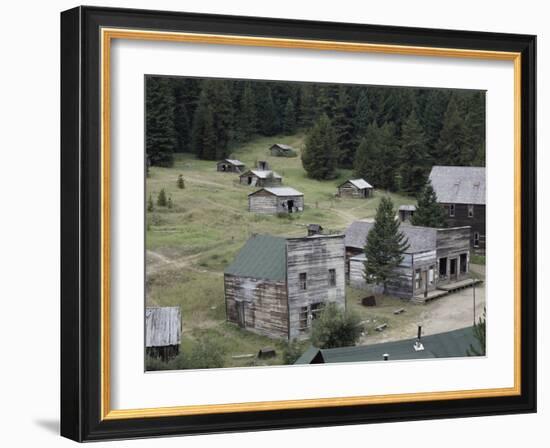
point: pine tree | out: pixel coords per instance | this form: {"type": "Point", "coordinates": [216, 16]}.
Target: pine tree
{"type": "Point", "coordinates": [181, 182]}
{"type": "Point", "coordinates": [159, 121]}
{"type": "Point", "coordinates": [362, 115]}
{"type": "Point", "coordinates": [384, 247]}
{"type": "Point", "coordinates": [265, 109]}
{"type": "Point", "coordinates": [161, 198]}
{"type": "Point", "coordinates": [452, 145]}
{"type": "Point", "coordinates": [365, 158]}
{"type": "Point", "coordinates": [203, 137]}
{"type": "Point", "coordinates": [413, 160]}
{"type": "Point", "coordinates": [182, 123]}
{"type": "Point", "coordinates": [169, 204]}
{"type": "Point", "coordinates": [388, 162]}
{"type": "Point", "coordinates": [246, 122]}
{"type": "Point", "coordinates": [308, 105]}
{"type": "Point", "coordinates": [428, 212]}
{"type": "Point", "coordinates": [150, 205]}
{"type": "Point", "coordinates": [343, 126]}
{"type": "Point", "coordinates": [319, 154]}
{"type": "Point", "coordinates": [289, 122]}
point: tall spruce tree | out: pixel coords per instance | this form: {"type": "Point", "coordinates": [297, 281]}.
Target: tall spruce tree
{"type": "Point", "coordinates": [308, 105]}
{"type": "Point", "coordinates": [265, 109]}
{"type": "Point", "coordinates": [319, 154]}
{"type": "Point", "coordinates": [452, 147]}
{"type": "Point", "coordinates": [182, 126]}
{"type": "Point", "coordinates": [246, 122]}
{"type": "Point", "coordinates": [362, 116]}
{"type": "Point", "coordinates": [289, 122]}
{"type": "Point", "coordinates": [343, 126]}
{"type": "Point", "coordinates": [160, 134]}
{"type": "Point", "coordinates": [384, 247]}
{"type": "Point", "coordinates": [428, 212]}
{"type": "Point", "coordinates": [365, 163]}
{"type": "Point", "coordinates": [413, 156]}
{"type": "Point", "coordinates": [203, 134]}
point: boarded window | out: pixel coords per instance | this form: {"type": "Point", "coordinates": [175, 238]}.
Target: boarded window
{"type": "Point", "coordinates": [303, 281]}
{"type": "Point", "coordinates": [476, 239]}
{"type": "Point", "coordinates": [332, 277]}
{"type": "Point", "coordinates": [451, 210]}
{"type": "Point", "coordinates": [470, 211]}
{"type": "Point", "coordinates": [316, 309]}
{"type": "Point", "coordinates": [303, 317]}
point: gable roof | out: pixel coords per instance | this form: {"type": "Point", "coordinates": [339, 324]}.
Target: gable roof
{"type": "Point", "coordinates": [232, 162]}
{"type": "Point", "coordinates": [359, 183]}
{"type": "Point", "coordinates": [263, 256]}
{"type": "Point", "coordinates": [282, 146]}
{"type": "Point", "coordinates": [459, 184]}
{"type": "Point", "coordinates": [263, 174]}
{"type": "Point", "coordinates": [451, 344]}
{"type": "Point", "coordinates": [279, 191]}
{"type": "Point", "coordinates": [162, 326]}
{"type": "Point", "coordinates": [407, 208]}
{"type": "Point", "coordinates": [421, 239]}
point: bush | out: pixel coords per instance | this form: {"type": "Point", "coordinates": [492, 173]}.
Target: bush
{"type": "Point", "coordinates": [206, 355]}
{"type": "Point", "coordinates": [162, 201]}
{"type": "Point", "coordinates": [153, 364]}
{"type": "Point", "coordinates": [150, 205]}
{"type": "Point", "coordinates": [336, 328]}
{"type": "Point", "coordinates": [180, 182]}
{"type": "Point", "coordinates": [292, 351]}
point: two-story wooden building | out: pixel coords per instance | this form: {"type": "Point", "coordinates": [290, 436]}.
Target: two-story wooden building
{"type": "Point", "coordinates": [435, 257]}
{"type": "Point", "coordinates": [277, 286]}
{"type": "Point", "coordinates": [461, 191]}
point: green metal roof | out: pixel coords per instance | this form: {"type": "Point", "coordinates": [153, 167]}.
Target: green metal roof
{"type": "Point", "coordinates": [451, 344]}
{"type": "Point", "coordinates": [263, 256]}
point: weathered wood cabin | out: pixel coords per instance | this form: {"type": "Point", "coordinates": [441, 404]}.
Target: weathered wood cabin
{"type": "Point", "coordinates": [260, 178]}
{"type": "Point", "coordinates": [281, 150]}
{"type": "Point", "coordinates": [230, 166]}
{"type": "Point", "coordinates": [461, 191]}
{"type": "Point", "coordinates": [355, 188]}
{"type": "Point", "coordinates": [406, 212]}
{"type": "Point", "coordinates": [277, 286]}
{"type": "Point", "coordinates": [273, 200]}
{"type": "Point", "coordinates": [435, 257]}
{"type": "Point", "coordinates": [162, 331]}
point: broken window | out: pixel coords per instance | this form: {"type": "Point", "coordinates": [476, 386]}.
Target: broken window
{"type": "Point", "coordinates": [303, 281]}
{"type": "Point", "coordinates": [303, 318]}
{"type": "Point", "coordinates": [332, 277]}
{"type": "Point", "coordinates": [316, 309]}
{"type": "Point", "coordinates": [476, 239]}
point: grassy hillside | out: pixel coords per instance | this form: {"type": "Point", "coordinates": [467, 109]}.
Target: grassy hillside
{"type": "Point", "coordinates": [189, 245]}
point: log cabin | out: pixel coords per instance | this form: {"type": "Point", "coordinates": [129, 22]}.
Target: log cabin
{"type": "Point", "coordinates": [461, 192]}
{"type": "Point", "coordinates": [274, 200]}
{"type": "Point", "coordinates": [436, 261]}
{"type": "Point", "coordinates": [162, 331]}
{"type": "Point", "coordinates": [260, 178]}
{"type": "Point", "coordinates": [281, 150]}
{"type": "Point", "coordinates": [230, 166]}
{"type": "Point", "coordinates": [355, 188]}
{"type": "Point", "coordinates": [277, 286]}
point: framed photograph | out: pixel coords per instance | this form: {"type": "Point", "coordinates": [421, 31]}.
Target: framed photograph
{"type": "Point", "coordinates": [276, 224]}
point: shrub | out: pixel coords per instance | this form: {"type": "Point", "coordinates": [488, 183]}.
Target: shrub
{"type": "Point", "coordinates": [169, 203]}
{"type": "Point", "coordinates": [181, 182]}
{"type": "Point", "coordinates": [291, 352]}
{"type": "Point", "coordinates": [161, 199]}
{"type": "Point", "coordinates": [150, 205]}
{"type": "Point", "coordinates": [336, 328]}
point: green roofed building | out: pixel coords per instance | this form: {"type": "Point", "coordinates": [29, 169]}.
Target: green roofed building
{"type": "Point", "coordinates": [452, 344]}
{"type": "Point", "coordinates": [277, 286]}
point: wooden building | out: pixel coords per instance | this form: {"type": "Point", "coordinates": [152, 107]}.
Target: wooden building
{"type": "Point", "coordinates": [355, 188]}
{"type": "Point", "coordinates": [406, 212]}
{"type": "Point", "coordinates": [435, 257]}
{"type": "Point", "coordinates": [262, 165]}
{"type": "Point", "coordinates": [230, 166]}
{"type": "Point", "coordinates": [162, 331]}
{"type": "Point", "coordinates": [277, 286]}
{"type": "Point", "coordinates": [461, 191]}
{"type": "Point", "coordinates": [261, 178]}
{"type": "Point", "coordinates": [281, 150]}
{"type": "Point", "coordinates": [273, 200]}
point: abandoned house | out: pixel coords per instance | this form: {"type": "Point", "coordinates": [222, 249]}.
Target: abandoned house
{"type": "Point", "coordinates": [260, 178]}
{"type": "Point", "coordinates": [281, 150]}
{"type": "Point", "coordinates": [162, 331]}
{"type": "Point", "coordinates": [273, 200]}
{"type": "Point", "coordinates": [230, 166]}
{"type": "Point", "coordinates": [406, 212]}
{"type": "Point", "coordinates": [436, 262]}
{"type": "Point", "coordinates": [461, 191]}
{"type": "Point", "coordinates": [355, 188]}
{"type": "Point", "coordinates": [277, 286]}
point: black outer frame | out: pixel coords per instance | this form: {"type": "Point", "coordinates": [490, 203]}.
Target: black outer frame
{"type": "Point", "coordinates": [80, 223]}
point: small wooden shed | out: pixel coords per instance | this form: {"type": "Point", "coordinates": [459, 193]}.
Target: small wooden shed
{"type": "Point", "coordinates": [162, 331]}
{"type": "Point", "coordinates": [282, 150]}
{"type": "Point", "coordinates": [260, 178]}
{"type": "Point", "coordinates": [273, 200]}
{"type": "Point", "coordinates": [230, 166]}
{"type": "Point", "coordinates": [406, 212]}
{"type": "Point", "coordinates": [355, 188]}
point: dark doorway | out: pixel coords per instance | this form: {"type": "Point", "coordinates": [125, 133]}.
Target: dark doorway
{"type": "Point", "coordinates": [290, 205]}
{"type": "Point", "coordinates": [240, 314]}
{"type": "Point", "coordinates": [443, 267]}
{"type": "Point", "coordinates": [463, 263]}
{"type": "Point", "coordinates": [249, 180]}
{"type": "Point", "coordinates": [452, 268]}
